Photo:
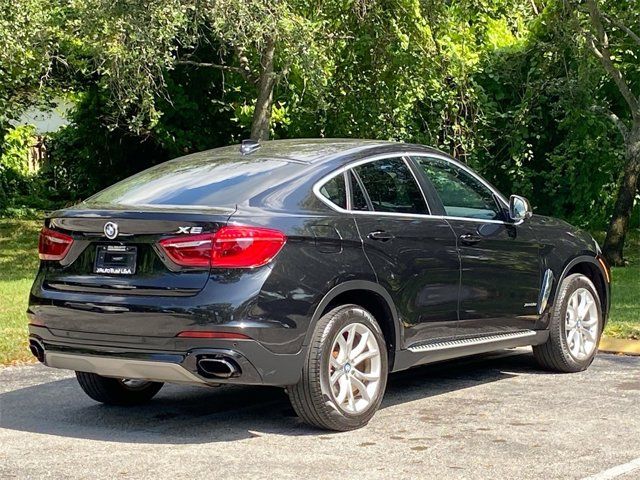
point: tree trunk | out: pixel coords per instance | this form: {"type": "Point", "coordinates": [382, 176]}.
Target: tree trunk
{"type": "Point", "coordinates": [619, 225]}
{"type": "Point", "coordinates": [266, 82]}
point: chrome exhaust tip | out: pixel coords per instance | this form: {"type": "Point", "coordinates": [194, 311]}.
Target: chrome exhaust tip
{"type": "Point", "coordinates": [217, 368]}
{"type": "Point", "coordinates": [36, 349]}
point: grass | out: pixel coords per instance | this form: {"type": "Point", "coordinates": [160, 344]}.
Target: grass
{"type": "Point", "coordinates": [18, 265]}
{"type": "Point", "coordinates": [624, 321]}
{"type": "Point", "coordinates": [19, 262]}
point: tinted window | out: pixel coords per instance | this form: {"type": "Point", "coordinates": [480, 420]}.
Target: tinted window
{"type": "Point", "coordinates": [391, 186]}
{"type": "Point", "coordinates": [461, 193]}
{"type": "Point", "coordinates": [334, 191]}
{"type": "Point", "coordinates": [202, 179]}
{"type": "Point", "coordinates": [358, 199]}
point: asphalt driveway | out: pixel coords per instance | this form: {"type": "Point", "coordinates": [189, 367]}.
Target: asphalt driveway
{"type": "Point", "coordinates": [494, 416]}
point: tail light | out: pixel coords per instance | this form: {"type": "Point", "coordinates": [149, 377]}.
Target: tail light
{"type": "Point", "coordinates": [229, 247]}
{"type": "Point", "coordinates": [53, 245]}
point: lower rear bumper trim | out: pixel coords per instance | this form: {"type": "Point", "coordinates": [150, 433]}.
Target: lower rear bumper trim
{"type": "Point", "coordinates": [253, 363]}
{"type": "Point", "coordinates": [123, 368]}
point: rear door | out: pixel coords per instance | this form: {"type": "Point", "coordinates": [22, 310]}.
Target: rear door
{"type": "Point", "coordinates": [500, 280]}
{"type": "Point", "coordinates": [413, 254]}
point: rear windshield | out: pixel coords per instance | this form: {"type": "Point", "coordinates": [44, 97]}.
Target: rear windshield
{"type": "Point", "coordinates": [199, 180]}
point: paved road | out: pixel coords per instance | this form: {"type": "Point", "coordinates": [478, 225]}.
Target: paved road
{"type": "Point", "coordinates": [490, 417]}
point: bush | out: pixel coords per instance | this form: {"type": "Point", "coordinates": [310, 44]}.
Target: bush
{"type": "Point", "coordinates": [23, 193]}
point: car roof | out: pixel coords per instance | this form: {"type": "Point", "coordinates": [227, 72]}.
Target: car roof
{"type": "Point", "coordinates": [311, 150]}
{"type": "Point", "coordinates": [225, 176]}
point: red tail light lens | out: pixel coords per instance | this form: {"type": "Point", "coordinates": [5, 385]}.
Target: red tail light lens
{"type": "Point", "coordinates": [242, 247]}
{"type": "Point", "coordinates": [189, 251]}
{"type": "Point", "coordinates": [53, 245]}
{"type": "Point", "coordinates": [229, 247]}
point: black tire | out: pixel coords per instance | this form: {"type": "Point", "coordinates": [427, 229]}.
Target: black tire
{"type": "Point", "coordinates": [113, 391]}
{"type": "Point", "coordinates": [555, 354]}
{"type": "Point", "coordinates": [312, 398]}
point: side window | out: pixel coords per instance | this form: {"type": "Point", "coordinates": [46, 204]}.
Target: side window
{"type": "Point", "coordinates": [358, 199]}
{"type": "Point", "coordinates": [391, 186]}
{"type": "Point", "coordinates": [462, 194]}
{"type": "Point", "coordinates": [334, 190]}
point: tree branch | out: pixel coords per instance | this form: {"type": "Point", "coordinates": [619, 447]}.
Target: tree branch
{"type": "Point", "coordinates": [604, 55]}
{"type": "Point", "coordinates": [592, 44]}
{"type": "Point", "coordinates": [614, 21]}
{"type": "Point", "coordinates": [244, 64]}
{"type": "Point", "coordinates": [617, 121]}
{"type": "Point", "coordinates": [227, 68]}
{"type": "Point", "coordinates": [535, 7]}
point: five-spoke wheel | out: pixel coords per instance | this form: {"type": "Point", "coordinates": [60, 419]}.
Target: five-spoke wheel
{"type": "Point", "coordinates": [354, 368]}
{"type": "Point", "coordinates": [575, 326]}
{"type": "Point", "coordinates": [581, 324]}
{"type": "Point", "coordinates": [345, 375]}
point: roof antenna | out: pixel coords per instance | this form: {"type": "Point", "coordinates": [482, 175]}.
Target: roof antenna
{"type": "Point", "coordinates": [249, 146]}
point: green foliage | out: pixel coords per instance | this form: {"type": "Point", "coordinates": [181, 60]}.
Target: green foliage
{"type": "Point", "coordinates": [15, 152]}
{"type": "Point", "coordinates": [15, 180]}
{"type": "Point", "coordinates": [18, 266]}
{"type": "Point", "coordinates": [31, 35]}
{"type": "Point", "coordinates": [513, 92]}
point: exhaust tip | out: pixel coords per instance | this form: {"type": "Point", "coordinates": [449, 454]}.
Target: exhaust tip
{"type": "Point", "coordinates": [37, 350]}
{"type": "Point", "coordinates": [217, 367]}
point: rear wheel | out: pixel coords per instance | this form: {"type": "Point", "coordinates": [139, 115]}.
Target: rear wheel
{"type": "Point", "coordinates": [345, 375]}
{"type": "Point", "coordinates": [116, 391]}
{"type": "Point", "coordinates": [575, 327]}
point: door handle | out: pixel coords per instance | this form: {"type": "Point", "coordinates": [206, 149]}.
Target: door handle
{"type": "Point", "coordinates": [469, 239]}
{"type": "Point", "coordinates": [380, 235]}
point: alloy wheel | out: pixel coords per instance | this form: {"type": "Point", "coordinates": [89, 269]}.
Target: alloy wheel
{"type": "Point", "coordinates": [355, 368]}
{"type": "Point", "coordinates": [581, 324]}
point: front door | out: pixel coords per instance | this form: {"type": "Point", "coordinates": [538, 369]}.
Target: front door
{"type": "Point", "coordinates": [413, 254]}
{"type": "Point", "coordinates": [500, 279]}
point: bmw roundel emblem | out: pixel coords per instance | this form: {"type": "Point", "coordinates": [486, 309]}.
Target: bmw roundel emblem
{"type": "Point", "coordinates": [111, 230]}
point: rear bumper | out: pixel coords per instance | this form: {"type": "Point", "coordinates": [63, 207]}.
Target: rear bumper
{"type": "Point", "coordinates": [253, 364]}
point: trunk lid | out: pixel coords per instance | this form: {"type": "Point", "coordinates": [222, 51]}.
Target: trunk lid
{"type": "Point", "coordinates": [131, 262]}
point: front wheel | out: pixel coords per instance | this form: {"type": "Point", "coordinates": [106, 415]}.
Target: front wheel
{"type": "Point", "coordinates": [575, 327]}
{"type": "Point", "coordinates": [345, 375]}
{"type": "Point", "coordinates": [117, 391]}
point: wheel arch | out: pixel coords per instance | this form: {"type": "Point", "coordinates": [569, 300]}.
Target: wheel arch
{"type": "Point", "coordinates": [370, 296]}
{"type": "Point", "coordinates": [590, 267]}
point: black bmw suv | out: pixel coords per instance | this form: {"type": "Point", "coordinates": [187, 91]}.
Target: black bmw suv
{"type": "Point", "coordinates": [315, 265]}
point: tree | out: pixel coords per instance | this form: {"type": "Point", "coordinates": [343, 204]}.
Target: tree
{"type": "Point", "coordinates": [613, 42]}
{"type": "Point", "coordinates": [256, 41]}
{"type": "Point", "coordinates": [30, 35]}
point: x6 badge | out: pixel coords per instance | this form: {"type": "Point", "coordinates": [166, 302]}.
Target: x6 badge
{"type": "Point", "coordinates": [191, 230]}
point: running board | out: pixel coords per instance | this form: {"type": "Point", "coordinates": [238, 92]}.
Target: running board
{"type": "Point", "coordinates": [432, 347]}
{"type": "Point", "coordinates": [435, 352]}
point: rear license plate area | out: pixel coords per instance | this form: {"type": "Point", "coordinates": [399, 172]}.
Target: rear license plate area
{"type": "Point", "coordinates": [115, 260]}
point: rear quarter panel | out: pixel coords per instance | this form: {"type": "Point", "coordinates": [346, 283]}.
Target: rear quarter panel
{"type": "Point", "coordinates": [322, 251]}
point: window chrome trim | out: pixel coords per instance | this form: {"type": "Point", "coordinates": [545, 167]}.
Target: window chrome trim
{"type": "Point", "coordinates": [405, 159]}
{"type": "Point", "coordinates": [347, 190]}
{"type": "Point", "coordinates": [404, 156]}
{"type": "Point", "coordinates": [329, 203]}
{"type": "Point", "coordinates": [354, 177]}
{"type": "Point", "coordinates": [464, 167]}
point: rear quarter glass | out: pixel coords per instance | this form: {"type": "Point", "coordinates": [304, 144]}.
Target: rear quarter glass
{"type": "Point", "coordinates": [197, 180]}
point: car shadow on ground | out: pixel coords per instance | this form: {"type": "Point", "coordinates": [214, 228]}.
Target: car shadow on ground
{"type": "Point", "coordinates": [194, 415]}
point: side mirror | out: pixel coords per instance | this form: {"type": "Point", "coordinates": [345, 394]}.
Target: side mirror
{"type": "Point", "coordinates": [519, 208]}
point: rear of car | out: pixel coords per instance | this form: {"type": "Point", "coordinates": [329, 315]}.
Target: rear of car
{"type": "Point", "coordinates": [153, 278]}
